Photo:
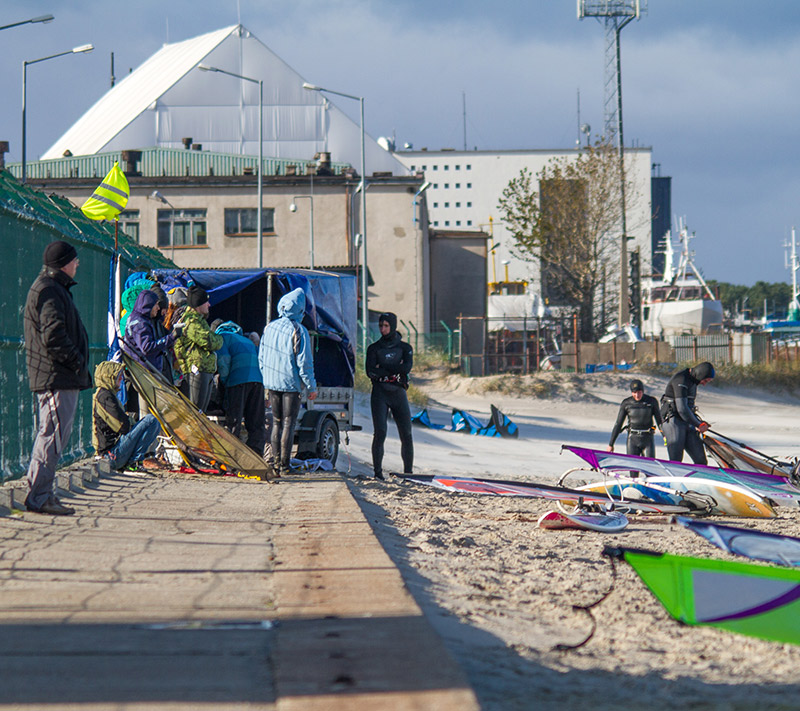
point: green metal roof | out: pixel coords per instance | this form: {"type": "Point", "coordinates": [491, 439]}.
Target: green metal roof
{"type": "Point", "coordinates": [65, 221]}
{"type": "Point", "coordinates": [162, 162]}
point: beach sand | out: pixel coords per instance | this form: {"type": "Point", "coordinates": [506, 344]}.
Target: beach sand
{"type": "Point", "coordinates": [501, 591]}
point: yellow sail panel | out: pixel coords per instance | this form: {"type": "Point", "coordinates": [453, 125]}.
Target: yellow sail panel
{"type": "Point", "coordinates": [191, 431]}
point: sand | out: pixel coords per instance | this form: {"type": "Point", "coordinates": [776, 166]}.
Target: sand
{"type": "Point", "coordinates": [501, 591]}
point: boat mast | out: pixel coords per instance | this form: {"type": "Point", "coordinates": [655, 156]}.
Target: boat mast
{"type": "Point", "coordinates": [794, 306]}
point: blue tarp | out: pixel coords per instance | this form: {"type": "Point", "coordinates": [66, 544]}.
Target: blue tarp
{"type": "Point", "coordinates": [240, 295]}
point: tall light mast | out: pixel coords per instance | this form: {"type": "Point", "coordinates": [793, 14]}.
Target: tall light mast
{"type": "Point", "coordinates": [617, 14]}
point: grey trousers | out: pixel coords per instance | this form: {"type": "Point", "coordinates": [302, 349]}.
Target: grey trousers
{"type": "Point", "coordinates": [56, 415]}
{"type": "Point", "coordinates": [200, 389]}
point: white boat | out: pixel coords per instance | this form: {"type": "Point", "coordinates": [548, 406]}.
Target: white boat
{"type": "Point", "coordinates": [680, 302]}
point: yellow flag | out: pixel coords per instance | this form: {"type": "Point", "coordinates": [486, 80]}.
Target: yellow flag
{"type": "Point", "coordinates": [110, 198]}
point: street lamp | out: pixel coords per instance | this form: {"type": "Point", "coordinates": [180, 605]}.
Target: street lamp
{"type": "Point", "coordinates": [260, 82]}
{"type": "Point", "coordinates": [419, 192]}
{"type": "Point", "coordinates": [293, 208]}
{"type": "Point", "coordinates": [77, 50]}
{"type": "Point", "coordinates": [41, 18]}
{"type": "Point", "coordinates": [363, 188]}
{"type": "Point", "coordinates": [156, 195]}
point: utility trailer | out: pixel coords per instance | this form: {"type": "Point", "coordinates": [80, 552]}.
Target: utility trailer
{"type": "Point", "coordinates": [250, 298]}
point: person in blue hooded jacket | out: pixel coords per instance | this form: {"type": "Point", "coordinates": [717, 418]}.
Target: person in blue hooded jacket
{"type": "Point", "coordinates": [286, 360]}
{"type": "Point", "coordinates": [237, 365]}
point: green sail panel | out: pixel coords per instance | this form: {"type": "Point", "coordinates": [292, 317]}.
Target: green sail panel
{"type": "Point", "coordinates": [754, 600]}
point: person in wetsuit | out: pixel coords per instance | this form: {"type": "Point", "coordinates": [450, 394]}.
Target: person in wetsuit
{"type": "Point", "coordinates": [388, 364]}
{"type": "Point", "coordinates": [682, 426]}
{"type": "Point", "coordinates": [640, 410]}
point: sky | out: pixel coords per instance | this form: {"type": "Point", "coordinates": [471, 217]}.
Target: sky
{"type": "Point", "coordinates": [712, 87]}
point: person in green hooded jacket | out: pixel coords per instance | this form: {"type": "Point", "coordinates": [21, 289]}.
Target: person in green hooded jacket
{"type": "Point", "coordinates": [194, 349]}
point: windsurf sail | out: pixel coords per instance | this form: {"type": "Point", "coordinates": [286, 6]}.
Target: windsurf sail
{"type": "Point", "coordinates": [759, 545]}
{"type": "Point", "coordinates": [462, 421]}
{"type": "Point", "coordinates": [423, 419]}
{"type": "Point", "coordinates": [754, 600]}
{"type": "Point", "coordinates": [775, 487]}
{"type": "Point", "coordinates": [736, 455]}
{"type": "Point", "coordinates": [541, 491]}
{"type": "Point", "coordinates": [191, 431]}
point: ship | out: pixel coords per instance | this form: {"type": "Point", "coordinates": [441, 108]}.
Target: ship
{"type": "Point", "coordinates": [679, 302]}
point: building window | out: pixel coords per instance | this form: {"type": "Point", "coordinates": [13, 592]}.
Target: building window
{"type": "Point", "coordinates": [447, 223]}
{"type": "Point", "coordinates": [436, 223]}
{"type": "Point", "coordinates": [469, 204]}
{"type": "Point", "coordinates": [424, 167]}
{"type": "Point", "coordinates": [243, 221]}
{"type": "Point", "coordinates": [469, 223]}
{"type": "Point", "coordinates": [469, 185]}
{"type": "Point", "coordinates": [129, 223]}
{"type": "Point", "coordinates": [436, 204]}
{"type": "Point", "coordinates": [458, 204]}
{"type": "Point", "coordinates": [435, 185]}
{"type": "Point", "coordinates": [458, 223]}
{"type": "Point", "coordinates": [458, 185]}
{"type": "Point", "coordinates": [447, 204]}
{"type": "Point", "coordinates": [446, 186]}
{"type": "Point", "coordinates": [182, 228]}
{"type": "Point", "coordinates": [436, 167]}
{"type": "Point", "coordinates": [447, 167]}
{"type": "Point", "coordinates": [412, 167]}
{"type": "Point", "coordinates": [469, 167]}
{"type": "Point", "coordinates": [458, 167]}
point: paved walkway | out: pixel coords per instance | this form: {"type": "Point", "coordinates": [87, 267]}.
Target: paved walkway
{"type": "Point", "coordinates": [178, 593]}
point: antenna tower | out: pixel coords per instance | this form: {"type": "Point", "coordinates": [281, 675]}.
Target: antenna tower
{"type": "Point", "coordinates": [617, 14]}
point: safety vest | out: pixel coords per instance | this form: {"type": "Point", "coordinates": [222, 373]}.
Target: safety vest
{"type": "Point", "coordinates": [110, 197]}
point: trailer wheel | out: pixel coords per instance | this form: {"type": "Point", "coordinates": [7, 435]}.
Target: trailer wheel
{"type": "Point", "coordinates": [328, 442]}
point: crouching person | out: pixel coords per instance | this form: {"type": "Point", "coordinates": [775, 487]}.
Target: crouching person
{"type": "Point", "coordinates": [113, 436]}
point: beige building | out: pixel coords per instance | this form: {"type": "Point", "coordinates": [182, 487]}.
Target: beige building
{"type": "Point", "coordinates": [209, 219]}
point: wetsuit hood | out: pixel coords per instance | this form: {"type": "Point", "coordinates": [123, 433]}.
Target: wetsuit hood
{"type": "Point", "coordinates": [702, 371]}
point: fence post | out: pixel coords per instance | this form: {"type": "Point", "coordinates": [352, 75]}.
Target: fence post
{"type": "Point", "coordinates": [575, 336]}
{"type": "Point", "coordinates": [538, 344]}
{"type": "Point", "coordinates": [655, 351]}
{"type": "Point", "coordinates": [614, 354]}
{"type": "Point", "coordinates": [449, 340]}
{"type": "Point", "coordinates": [525, 343]}
{"type": "Point", "coordinates": [730, 348]}
{"type": "Point", "coordinates": [694, 348]}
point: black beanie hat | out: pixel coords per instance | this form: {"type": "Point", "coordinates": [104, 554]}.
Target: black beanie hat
{"type": "Point", "coordinates": [196, 296]}
{"type": "Point", "coordinates": [390, 318]}
{"type": "Point", "coordinates": [637, 385]}
{"type": "Point", "coordinates": [58, 254]}
{"type": "Point", "coordinates": [163, 302]}
{"type": "Point", "coordinates": [703, 371]}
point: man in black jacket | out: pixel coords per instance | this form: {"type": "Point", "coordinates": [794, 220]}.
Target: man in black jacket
{"type": "Point", "coordinates": [57, 356]}
{"type": "Point", "coordinates": [640, 411]}
{"type": "Point", "coordinates": [682, 426]}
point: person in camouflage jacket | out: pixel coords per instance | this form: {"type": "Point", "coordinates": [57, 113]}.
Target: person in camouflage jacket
{"type": "Point", "coordinates": [194, 349]}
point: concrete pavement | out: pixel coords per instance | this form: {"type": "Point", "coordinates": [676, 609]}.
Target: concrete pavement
{"type": "Point", "coordinates": [190, 592]}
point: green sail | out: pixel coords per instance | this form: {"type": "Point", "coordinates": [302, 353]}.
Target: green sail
{"type": "Point", "coordinates": [755, 600]}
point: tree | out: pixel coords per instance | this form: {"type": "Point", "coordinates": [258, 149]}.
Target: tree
{"type": "Point", "coordinates": [570, 225]}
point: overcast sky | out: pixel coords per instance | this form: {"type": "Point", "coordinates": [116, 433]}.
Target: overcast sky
{"type": "Point", "coordinates": [713, 87]}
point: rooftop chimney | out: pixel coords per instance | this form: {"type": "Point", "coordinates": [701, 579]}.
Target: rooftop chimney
{"type": "Point", "coordinates": [3, 151]}
{"type": "Point", "coordinates": [187, 142]}
{"type": "Point", "coordinates": [131, 160]}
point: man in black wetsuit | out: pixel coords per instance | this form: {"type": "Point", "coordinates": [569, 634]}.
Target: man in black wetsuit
{"type": "Point", "coordinates": [640, 410]}
{"type": "Point", "coordinates": [388, 363]}
{"type": "Point", "coordinates": [682, 427]}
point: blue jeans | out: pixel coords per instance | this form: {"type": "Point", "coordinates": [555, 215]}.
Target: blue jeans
{"type": "Point", "coordinates": [135, 446]}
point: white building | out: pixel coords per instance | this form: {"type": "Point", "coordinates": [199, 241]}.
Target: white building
{"type": "Point", "coordinates": [466, 187]}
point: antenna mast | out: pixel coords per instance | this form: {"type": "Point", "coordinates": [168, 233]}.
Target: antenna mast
{"type": "Point", "coordinates": [617, 14]}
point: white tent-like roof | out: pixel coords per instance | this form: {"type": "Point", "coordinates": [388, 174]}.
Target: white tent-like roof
{"type": "Point", "coordinates": [167, 98]}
